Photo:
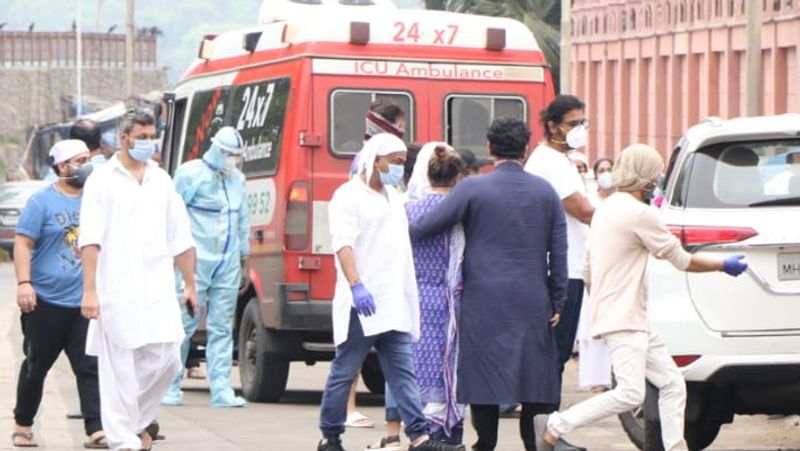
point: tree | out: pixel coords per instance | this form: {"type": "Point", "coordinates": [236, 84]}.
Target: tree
{"type": "Point", "coordinates": [542, 17]}
{"type": "Point", "coordinates": [435, 4]}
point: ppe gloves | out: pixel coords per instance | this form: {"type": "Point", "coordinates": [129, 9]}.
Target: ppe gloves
{"type": "Point", "coordinates": [362, 300]}
{"type": "Point", "coordinates": [734, 265]}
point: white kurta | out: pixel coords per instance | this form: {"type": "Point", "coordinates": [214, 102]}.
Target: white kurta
{"type": "Point", "coordinates": [139, 228]}
{"type": "Point", "coordinates": [375, 225]}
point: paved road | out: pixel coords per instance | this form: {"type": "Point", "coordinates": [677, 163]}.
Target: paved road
{"type": "Point", "coordinates": [291, 425]}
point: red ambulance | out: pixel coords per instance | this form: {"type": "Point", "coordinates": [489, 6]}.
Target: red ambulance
{"type": "Point", "coordinates": [297, 87]}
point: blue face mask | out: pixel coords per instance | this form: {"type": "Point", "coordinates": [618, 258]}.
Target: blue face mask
{"type": "Point", "coordinates": [143, 149]}
{"type": "Point", "coordinates": [395, 175]}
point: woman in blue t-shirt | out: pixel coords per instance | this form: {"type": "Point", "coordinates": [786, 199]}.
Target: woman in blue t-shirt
{"type": "Point", "coordinates": [49, 291]}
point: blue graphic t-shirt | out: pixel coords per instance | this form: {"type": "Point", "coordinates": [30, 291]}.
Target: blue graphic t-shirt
{"type": "Point", "coordinates": [52, 220]}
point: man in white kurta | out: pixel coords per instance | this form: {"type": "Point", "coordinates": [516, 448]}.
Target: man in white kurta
{"type": "Point", "coordinates": [134, 228]}
{"type": "Point", "coordinates": [375, 303]}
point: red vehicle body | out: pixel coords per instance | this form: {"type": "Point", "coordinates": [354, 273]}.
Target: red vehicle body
{"type": "Point", "coordinates": [298, 90]}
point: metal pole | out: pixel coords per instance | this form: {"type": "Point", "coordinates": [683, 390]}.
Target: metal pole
{"type": "Point", "coordinates": [565, 78]}
{"type": "Point", "coordinates": [129, 49]}
{"type": "Point", "coordinates": [79, 59]}
{"type": "Point", "coordinates": [753, 55]}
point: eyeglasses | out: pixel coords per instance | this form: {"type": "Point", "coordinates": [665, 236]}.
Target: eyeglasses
{"type": "Point", "coordinates": [573, 124]}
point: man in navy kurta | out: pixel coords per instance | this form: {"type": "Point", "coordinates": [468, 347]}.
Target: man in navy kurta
{"type": "Point", "coordinates": [515, 280]}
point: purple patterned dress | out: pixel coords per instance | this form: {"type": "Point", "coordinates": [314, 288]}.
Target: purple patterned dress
{"type": "Point", "coordinates": [435, 354]}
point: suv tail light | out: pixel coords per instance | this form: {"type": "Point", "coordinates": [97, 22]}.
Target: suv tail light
{"type": "Point", "coordinates": [297, 212]}
{"type": "Point", "coordinates": [702, 235]}
{"type": "Point", "coordinates": [684, 360]}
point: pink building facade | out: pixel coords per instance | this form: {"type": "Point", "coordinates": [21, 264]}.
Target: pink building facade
{"type": "Point", "coordinates": [650, 69]}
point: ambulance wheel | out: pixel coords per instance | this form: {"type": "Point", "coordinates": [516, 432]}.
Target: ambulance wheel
{"type": "Point", "coordinates": [373, 375]}
{"type": "Point", "coordinates": [263, 374]}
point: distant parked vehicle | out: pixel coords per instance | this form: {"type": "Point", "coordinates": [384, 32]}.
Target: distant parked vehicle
{"type": "Point", "coordinates": [13, 196]}
{"type": "Point", "coordinates": [732, 187]}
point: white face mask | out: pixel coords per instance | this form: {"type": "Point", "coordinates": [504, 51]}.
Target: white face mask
{"type": "Point", "coordinates": [232, 162]}
{"type": "Point", "coordinates": [576, 137]}
{"type": "Point", "coordinates": [605, 180]}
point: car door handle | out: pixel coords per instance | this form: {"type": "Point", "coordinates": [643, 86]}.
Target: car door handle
{"type": "Point", "coordinates": [768, 287]}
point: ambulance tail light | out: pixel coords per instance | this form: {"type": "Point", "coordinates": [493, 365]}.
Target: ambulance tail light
{"type": "Point", "coordinates": [359, 33]}
{"type": "Point", "coordinates": [495, 38]}
{"type": "Point", "coordinates": [704, 236]}
{"type": "Point", "coordinates": [297, 215]}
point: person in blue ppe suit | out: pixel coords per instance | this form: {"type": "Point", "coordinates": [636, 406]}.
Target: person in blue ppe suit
{"type": "Point", "coordinates": [213, 189]}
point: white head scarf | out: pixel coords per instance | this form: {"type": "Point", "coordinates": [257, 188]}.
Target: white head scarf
{"type": "Point", "coordinates": [636, 167]}
{"type": "Point", "coordinates": [379, 145]}
{"type": "Point", "coordinates": [419, 185]}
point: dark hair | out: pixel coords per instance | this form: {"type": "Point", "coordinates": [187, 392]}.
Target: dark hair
{"type": "Point", "coordinates": [557, 109]}
{"type": "Point", "coordinates": [601, 161]}
{"type": "Point", "coordinates": [508, 138]}
{"type": "Point", "coordinates": [136, 116]}
{"type": "Point", "coordinates": [87, 131]}
{"type": "Point", "coordinates": [411, 159]}
{"type": "Point", "coordinates": [444, 167]}
{"type": "Point", "coordinates": [388, 110]}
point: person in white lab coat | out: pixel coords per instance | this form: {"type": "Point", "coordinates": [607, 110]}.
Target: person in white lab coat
{"type": "Point", "coordinates": [375, 303]}
{"type": "Point", "coordinates": [134, 228]}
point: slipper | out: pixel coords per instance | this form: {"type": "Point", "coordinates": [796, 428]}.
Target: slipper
{"type": "Point", "coordinates": [357, 420]}
{"type": "Point", "coordinates": [390, 443]}
{"type": "Point", "coordinates": [27, 436]}
{"type": "Point", "coordinates": [98, 442]}
{"type": "Point", "coordinates": [152, 431]}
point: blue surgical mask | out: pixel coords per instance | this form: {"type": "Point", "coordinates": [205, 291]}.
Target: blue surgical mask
{"type": "Point", "coordinates": [395, 175]}
{"type": "Point", "coordinates": [143, 149]}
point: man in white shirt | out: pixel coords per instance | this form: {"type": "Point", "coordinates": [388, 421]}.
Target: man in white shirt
{"type": "Point", "coordinates": [375, 303]}
{"type": "Point", "coordinates": [134, 228]}
{"type": "Point", "coordinates": [564, 124]}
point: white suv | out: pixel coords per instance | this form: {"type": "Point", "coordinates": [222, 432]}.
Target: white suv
{"type": "Point", "coordinates": [731, 187]}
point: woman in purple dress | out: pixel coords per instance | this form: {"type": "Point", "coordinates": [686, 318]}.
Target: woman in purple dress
{"type": "Point", "coordinates": [438, 268]}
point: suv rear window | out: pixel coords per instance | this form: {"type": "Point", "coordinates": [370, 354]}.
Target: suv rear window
{"type": "Point", "coordinates": [735, 175]}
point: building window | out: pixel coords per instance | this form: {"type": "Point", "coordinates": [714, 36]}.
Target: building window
{"type": "Point", "coordinates": [731, 8]}
{"type": "Point", "coordinates": [683, 12]}
{"type": "Point", "coordinates": [623, 22]}
{"type": "Point", "coordinates": [718, 8]}
{"type": "Point", "coordinates": [648, 16]}
{"type": "Point", "coordinates": [633, 20]}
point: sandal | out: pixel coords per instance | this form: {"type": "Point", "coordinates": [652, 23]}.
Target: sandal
{"type": "Point", "coordinates": [98, 442]}
{"type": "Point", "coordinates": [390, 443]}
{"type": "Point", "coordinates": [27, 436]}
{"type": "Point", "coordinates": [150, 431]}
{"type": "Point", "coordinates": [357, 420]}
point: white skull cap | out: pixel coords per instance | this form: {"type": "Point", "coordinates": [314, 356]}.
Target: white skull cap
{"type": "Point", "coordinates": [66, 149]}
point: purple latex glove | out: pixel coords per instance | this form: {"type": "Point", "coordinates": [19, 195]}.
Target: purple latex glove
{"type": "Point", "coordinates": [362, 300]}
{"type": "Point", "coordinates": [734, 265]}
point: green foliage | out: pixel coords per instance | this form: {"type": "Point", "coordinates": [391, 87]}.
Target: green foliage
{"type": "Point", "coordinates": [542, 17]}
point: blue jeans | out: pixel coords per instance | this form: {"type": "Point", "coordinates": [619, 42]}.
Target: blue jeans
{"type": "Point", "coordinates": [567, 327]}
{"type": "Point", "coordinates": [397, 362]}
{"type": "Point", "coordinates": [392, 413]}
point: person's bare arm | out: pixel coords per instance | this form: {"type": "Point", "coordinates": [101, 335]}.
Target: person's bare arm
{"type": "Point", "coordinates": [90, 305]}
{"type": "Point", "coordinates": [348, 262]}
{"type": "Point", "coordinates": [701, 263]}
{"type": "Point", "coordinates": [186, 262]}
{"type": "Point", "coordinates": [578, 206]}
{"type": "Point", "coordinates": [26, 295]}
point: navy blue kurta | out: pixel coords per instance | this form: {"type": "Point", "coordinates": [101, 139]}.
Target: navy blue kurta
{"type": "Point", "coordinates": [515, 280]}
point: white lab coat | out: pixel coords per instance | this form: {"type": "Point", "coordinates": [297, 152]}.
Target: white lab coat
{"type": "Point", "coordinates": [375, 225]}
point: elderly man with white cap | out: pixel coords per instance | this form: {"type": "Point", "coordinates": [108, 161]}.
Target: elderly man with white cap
{"type": "Point", "coordinates": [375, 303]}
{"type": "Point", "coordinates": [625, 233]}
{"type": "Point", "coordinates": [49, 289]}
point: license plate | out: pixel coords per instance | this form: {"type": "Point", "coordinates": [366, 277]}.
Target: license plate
{"type": "Point", "coordinates": [789, 266]}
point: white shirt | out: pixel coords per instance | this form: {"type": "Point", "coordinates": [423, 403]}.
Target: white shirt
{"type": "Point", "coordinates": [139, 229]}
{"type": "Point", "coordinates": [376, 227]}
{"type": "Point", "coordinates": [558, 169]}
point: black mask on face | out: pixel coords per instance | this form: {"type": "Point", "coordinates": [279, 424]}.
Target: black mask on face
{"type": "Point", "coordinates": [650, 193]}
{"type": "Point", "coordinates": [79, 175]}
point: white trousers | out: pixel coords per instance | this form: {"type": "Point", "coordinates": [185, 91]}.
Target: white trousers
{"type": "Point", "coordinates": [594, 361]}
{"type": "Point", "coordinates": [132, 383]}
{"type": "Point", "coordinates": [636, 357]}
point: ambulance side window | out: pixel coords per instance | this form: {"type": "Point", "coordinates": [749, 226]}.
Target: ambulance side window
{"type": "Point", "coordinates": [258, 111]}
{"type": "Point", "coordinates": [468, 118]}
{"type": "Point", "coordinates": [348, 109]}
{"type": "Point", "coordinates": [206, 115]}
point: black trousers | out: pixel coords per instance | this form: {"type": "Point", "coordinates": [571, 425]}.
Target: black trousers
{"type": "Point", "coordinates": [48, 330]}
{"type": "Point", "coordinates": [567, 328]}
{"type": "Point", "coordinates": [486, 419]}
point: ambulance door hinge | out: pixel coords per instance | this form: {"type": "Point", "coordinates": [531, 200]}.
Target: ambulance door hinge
{"type": "Point", "coordinates": [308, 139]}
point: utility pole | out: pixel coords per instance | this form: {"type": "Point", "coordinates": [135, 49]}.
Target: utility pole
{"type": "Point", "coordinates": [79, 60]}
{"type": "Point", "coordinates": [129, 48]}
{"type": "Point", "coordinates": [753, 55]}
{"type": "Point", "coordinates": [565, 74]}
